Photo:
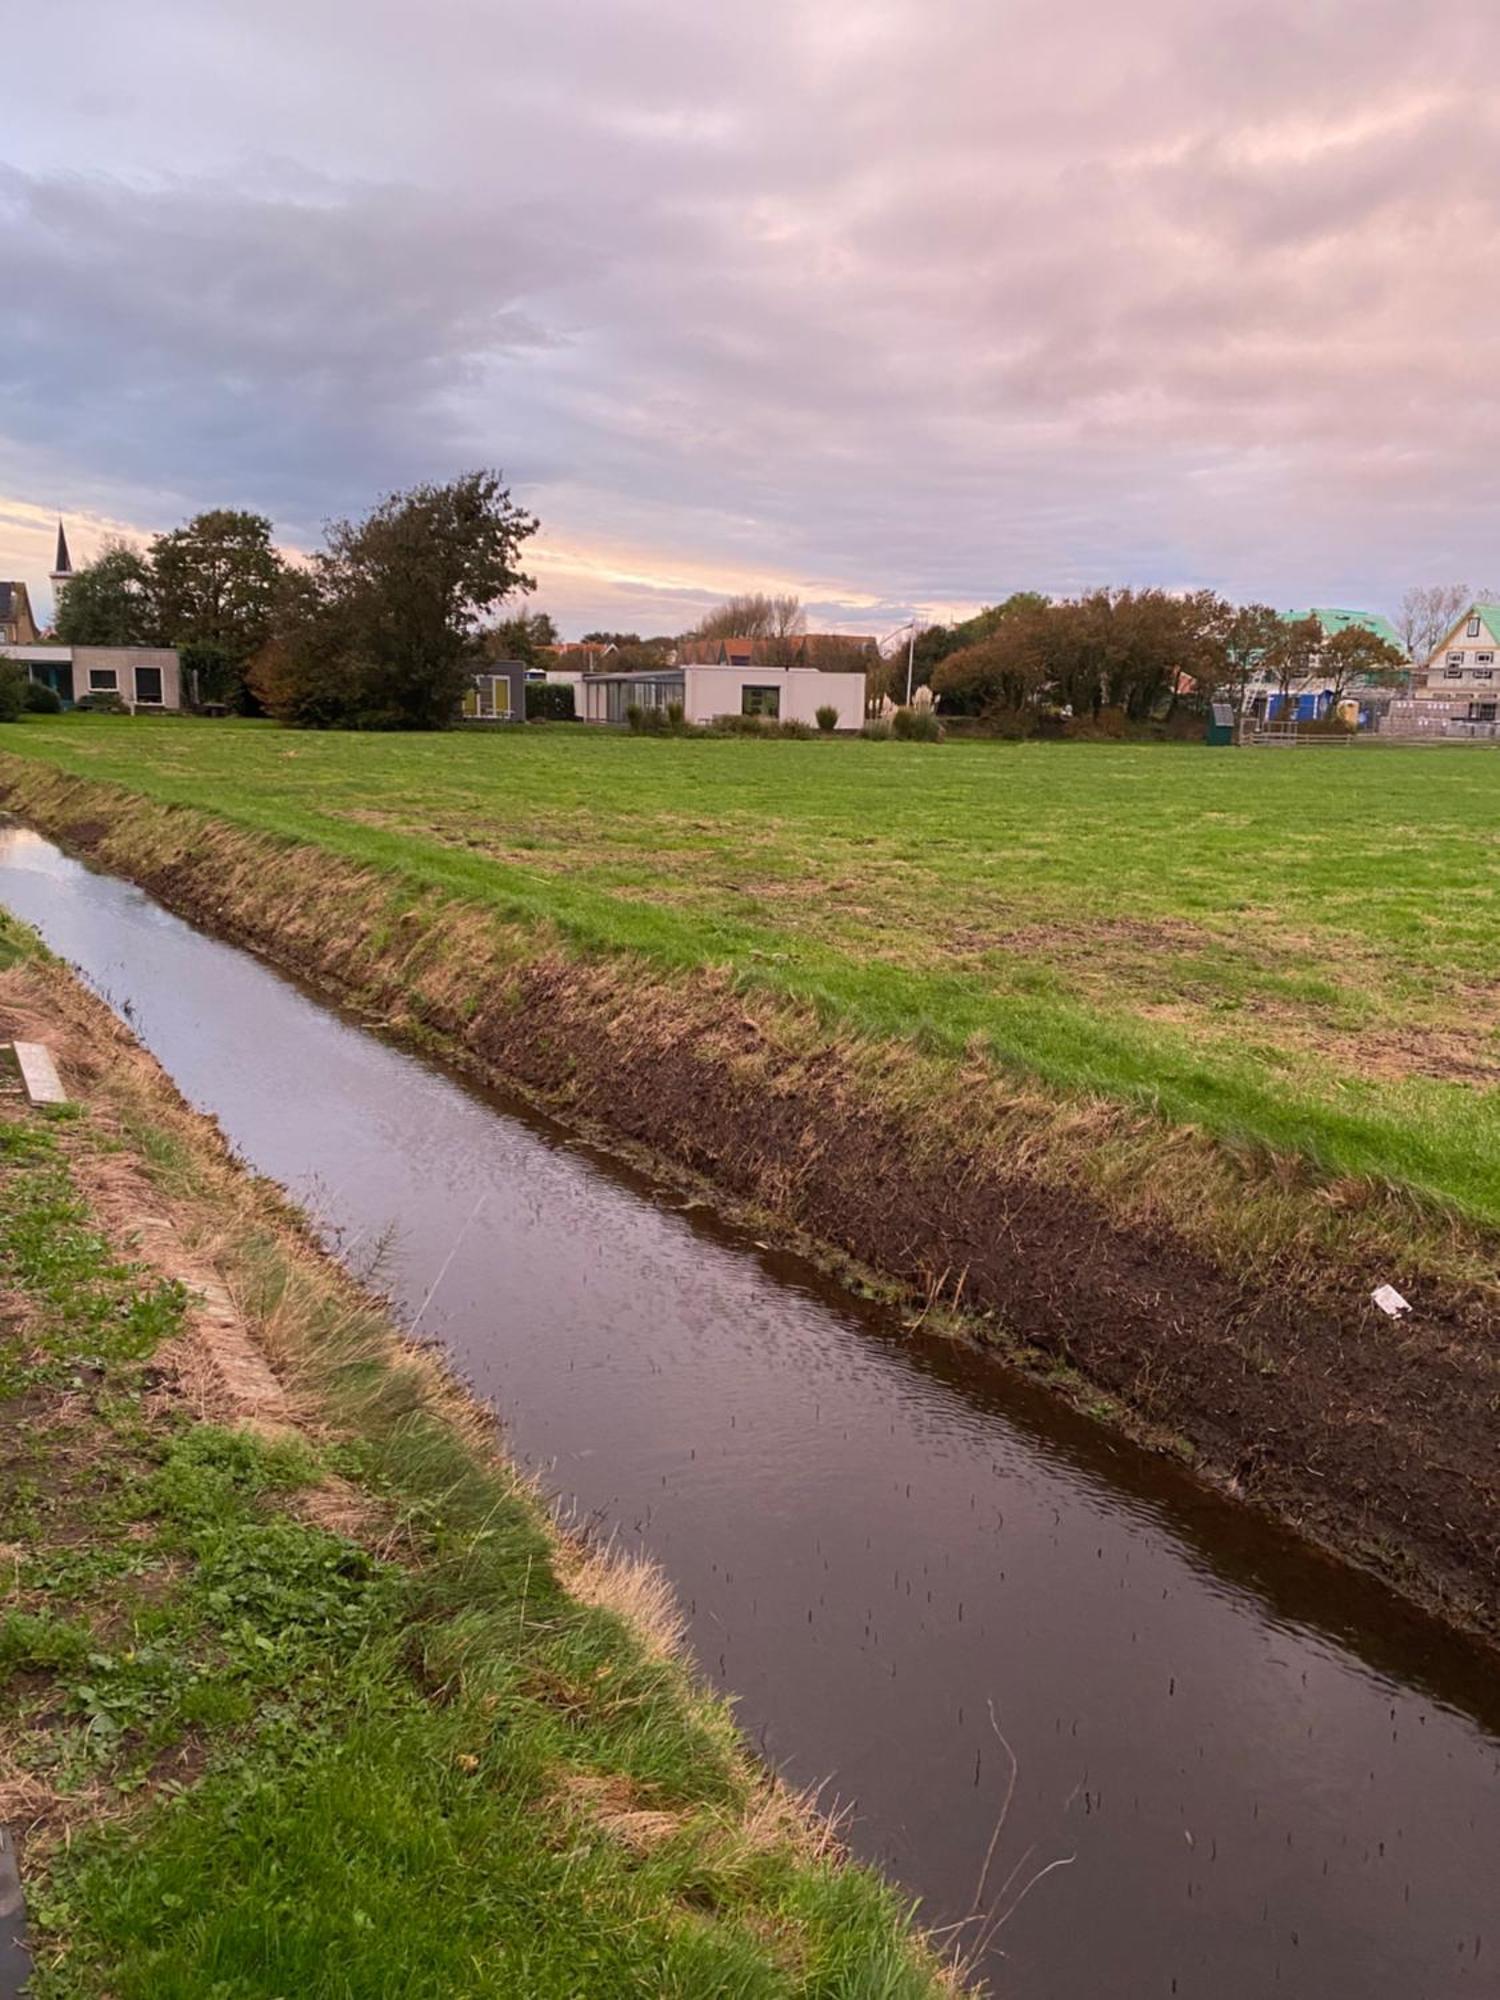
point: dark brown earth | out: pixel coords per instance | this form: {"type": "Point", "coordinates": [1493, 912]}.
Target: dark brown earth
{"type": "Point", "coordinates": [1376, 1439]}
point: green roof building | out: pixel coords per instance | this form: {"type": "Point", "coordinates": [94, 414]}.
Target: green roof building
{"type": "Point", "coordinates": [1334, 619]}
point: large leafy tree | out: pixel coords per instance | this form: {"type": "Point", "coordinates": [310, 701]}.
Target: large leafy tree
{"type": "Point", "coordinates": [1358, 657]}
{"type": "Point", "coordinates": [1246, 635]}
{"type": "Point", "coordinates": [1003, 668]}
{"type": "Point", "coordinates": [1116, 649]}
{"type": "Point", "coordinates": [110, 602]}
{"type": "Point", "coordinates": [936, 643]}
{"type": "Point", "coordinates": [384, 627]}
{"type": "Point", "coordinates": [215, 581]}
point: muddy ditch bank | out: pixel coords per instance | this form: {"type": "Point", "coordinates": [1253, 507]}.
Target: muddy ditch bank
{"type": "Point", "coordinates": [1283, 1385]}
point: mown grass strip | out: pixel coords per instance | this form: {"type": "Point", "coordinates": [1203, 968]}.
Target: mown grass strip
{"type": "Point", "coordinates": [1269, 949]}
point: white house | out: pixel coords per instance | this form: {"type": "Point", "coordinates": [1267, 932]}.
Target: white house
{"type": "Point", "coordinates": [784, 694]}
{"type": "Point", "coordinates": [144, 677]}
{"type": "Point", "coordinates": [1462, 669]}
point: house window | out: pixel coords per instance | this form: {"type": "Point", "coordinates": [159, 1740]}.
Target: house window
{"type": "Point", "coordinates": [1455, 659]}
{"type": "Point", "coordinates": [1482, 711]}
{"type": "Point", "coordinates": [1452, 673]}
{"type": "Point", "coordinates": [1484, 673]}
{"type": "Point", "coordinates": [103, 680]}
{"type": "Point", "coordinates": [148, 686]}
{"type": "Point", "coordinates": [1473, 628]}
{"type": "Point", "coordinates": [1484, 659]}
{"type": "Point", "coordinates": [760, 701]}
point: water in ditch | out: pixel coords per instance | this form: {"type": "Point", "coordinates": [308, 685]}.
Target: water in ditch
{"type": "Point", "coordinates": [1239, 1770]}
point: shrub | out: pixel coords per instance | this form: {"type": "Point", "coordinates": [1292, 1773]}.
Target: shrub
{"type": "Point", "coordinates": [12, 690]}
{"type": "Point", "coordinates": [916, 725]}
{"type": "Point", "coordinates": [801, 730]}
{"type": "Point", "coordinates": [738, 725]}
{"type": "Point", "coordinates": [828, 718]}
{"type": "Point", "coordinates": [1012, 725]}
{"type": "Point", "coordinates": [99, 703]}
{"type": "Point", "coordinates": [877, 731]}
{"type": "Point", "coordinates": [40, 699]}
{"type": "Point", "coordinates": [676, 718]}
{"type": "Point", "coordinates": [550, 701]}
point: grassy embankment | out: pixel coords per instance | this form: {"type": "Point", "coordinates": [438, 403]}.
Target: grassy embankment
{"type": "Point", "coordinates": [1154, 1060]}
{"type": "Point", "coordinates": [1301, 951]}
{"type": "Point", "coordinates": [303, 1694]}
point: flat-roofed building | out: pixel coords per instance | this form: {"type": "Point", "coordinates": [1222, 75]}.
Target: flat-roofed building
{"type": "Point", "coordinates": [144, 678]}
{"type": "Point", "coordinates": [706, 693]}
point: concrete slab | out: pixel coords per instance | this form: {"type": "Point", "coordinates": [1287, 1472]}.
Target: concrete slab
{"type": "Point", "coordinates": [39, 1073]}
{"type": "Point", "coordinates": [15, 1961]}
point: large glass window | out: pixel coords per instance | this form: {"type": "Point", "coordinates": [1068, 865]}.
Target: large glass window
{"type": "Point", "coordinates": [148, 686]}
{"type": "Point", "coordinates": [760, 701]}
{"type": "Point", "coordinates": [103, 680]}
{"type": "Point", "coordinates": [657, 692]}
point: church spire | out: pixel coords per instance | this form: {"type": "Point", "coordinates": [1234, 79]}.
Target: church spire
{"type": "Point", "coordinates": [64, 565]}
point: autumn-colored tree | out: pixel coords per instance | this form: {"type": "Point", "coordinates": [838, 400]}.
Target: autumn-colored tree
{"type": "Point", "coordinates": [936, 643]}
{"type": "Point", "coordinates": [1121, 650]}
{"type": "Point", "coordinates": [1003, 671]}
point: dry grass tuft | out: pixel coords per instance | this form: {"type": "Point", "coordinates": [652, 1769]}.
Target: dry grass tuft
{"type": "Point", "coordinates": [612, 1804]}
{"type": "Point", "coordinates": [631, 1587]}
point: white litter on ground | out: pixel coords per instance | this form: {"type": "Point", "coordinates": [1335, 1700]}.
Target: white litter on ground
{"type": "Point", "coordinates": [39, 1073]}
{"type": "Point", "coordinates": [1390, 1301]}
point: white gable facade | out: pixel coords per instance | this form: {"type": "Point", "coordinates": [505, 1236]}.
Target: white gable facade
{"type": "Point", "coordinates": [1466, 666]}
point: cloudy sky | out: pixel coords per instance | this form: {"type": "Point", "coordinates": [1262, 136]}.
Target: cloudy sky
{"type": "Point", "coordinates": [897, 303]}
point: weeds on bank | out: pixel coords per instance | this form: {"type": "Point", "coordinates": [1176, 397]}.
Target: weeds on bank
{"type": "Point", "coordinates": [317, 1715]}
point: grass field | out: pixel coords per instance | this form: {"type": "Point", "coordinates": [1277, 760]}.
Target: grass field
{"type": "Point", "coordinates": [1299, 948]}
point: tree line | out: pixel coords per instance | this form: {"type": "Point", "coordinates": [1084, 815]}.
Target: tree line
{"type": "Point", "coordinates": [1138, 653]}
{"type": "Point", "coordinates": [383, 625]}
{"type": "Point", "coordinates": [379, 628]}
